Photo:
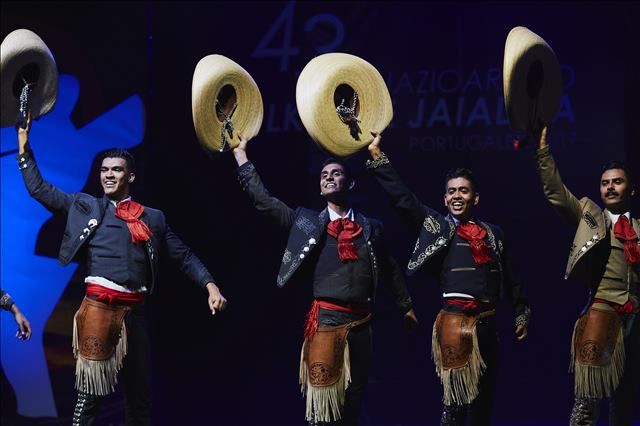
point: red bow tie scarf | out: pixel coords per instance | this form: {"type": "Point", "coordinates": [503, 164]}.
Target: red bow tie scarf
{"type": "Point", "coordinates": [475, 235]}
{"type": "Point", "coordinates": [130, 212]}
{"type": "Point", "coordinates": [625, 232]}
{"type": "Point", "coordinates": [345, 230]}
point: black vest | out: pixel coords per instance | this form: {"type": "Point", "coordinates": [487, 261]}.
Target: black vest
{"type": "Point", "coordinates": [460, 274]}
{"type": "Point", "coordinates": [112, 255]}
{"type": "Point", "coordinates": [349, 282]}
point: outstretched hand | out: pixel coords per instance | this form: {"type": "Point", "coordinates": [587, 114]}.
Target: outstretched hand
{"type": "Point", "coordinates": [240, 151]}
{"type": "Point", "coordinates": [374, 146]}
{"type": "Point", "coordinates": [539, 136]}
{"type": "Point", "coordinates": [23, 135]}
{"type": "Point", "coordinates": [410, 320]}
{"type": "Point", "coordinates": [521, 331]}
{"type": "Point", "coordinates": [216, 300]}
{"type": "Point", "coordinates": [24, 327]}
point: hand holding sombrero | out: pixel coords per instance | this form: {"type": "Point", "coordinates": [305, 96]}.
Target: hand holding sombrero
{"type": "Point", "coordinates": [339, 98]}
{"type": "Point", "coordinates": [225, 100]}
{"type": "Point", "coordinates": [532, 81]}
{"type": "Point", "coordinates": [28, 78]}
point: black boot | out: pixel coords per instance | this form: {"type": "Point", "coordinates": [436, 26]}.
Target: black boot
{"type": "Point", "coordinates": [453, 415]}
{"type": "Point", "coordinates": [585, 412]}
{"type": "Point", "coordinates": [86, 409]}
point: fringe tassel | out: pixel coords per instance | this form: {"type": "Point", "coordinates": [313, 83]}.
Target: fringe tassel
{"type": "Point", "coordinates": [460, 384]}
{"type": "Point", "coordinates": [325, 403]}
{"type": "Point", "coordinates": [572, 361]}
{"type": "Point", "coordinates": [594, 381]}
{"type": "Point", "coordinates": [302, 380]}
{"type": "Point", "coordinates": [98, 377]}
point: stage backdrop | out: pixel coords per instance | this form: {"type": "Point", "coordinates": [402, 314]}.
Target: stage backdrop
{"type": "Point", "coordinates": [126, 72]}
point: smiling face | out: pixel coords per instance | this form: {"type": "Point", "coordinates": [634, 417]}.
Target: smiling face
{"type": "Point", "coordinates": [115, 178]}
{"type": "Point", "coordinates": [460, 198]}
{"type": "Point", "coordinates": [334, 182]}
{"type": "Point", "coordinates": [616, 190]}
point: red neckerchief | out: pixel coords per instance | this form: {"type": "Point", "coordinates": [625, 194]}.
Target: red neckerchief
{"type": "Point", "coordinates": [475, 235]}
{"type": "Point", "coordinates": [625, 232]}
{"type": "Point", "coordinates": [130, 212]}
{"type": "Point", "coordinates": [345, 230]}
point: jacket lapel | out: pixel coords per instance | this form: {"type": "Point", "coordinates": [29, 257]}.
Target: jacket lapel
{"type": "Point", "coordinates": [435, 234]}
{"type": "Point", "coordinates": [592, 229]}
{"type": "Point", "coordinates": [303, 237]}
{"type": "Point", "coordinates": [366, 225]}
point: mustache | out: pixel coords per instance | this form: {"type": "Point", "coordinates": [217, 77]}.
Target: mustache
{"type": "Point", "coordinates": [611, 193]}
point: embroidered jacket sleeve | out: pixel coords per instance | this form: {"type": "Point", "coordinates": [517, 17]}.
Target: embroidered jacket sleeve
{"type": "Point", "coordinates": [182, 254]}
{"type": "Point", "coordinates": [403, 200]}
{"type": "Point", "coordinates": [54, 199]}
{"type": "Point", "coordinates": [391, 275]}
{"type": "Point", "coordinates": [556, 192]}
{"type": "Point", "coordinates": [6, 302]}
{"type": "Point", "coordinates": [264, 202]}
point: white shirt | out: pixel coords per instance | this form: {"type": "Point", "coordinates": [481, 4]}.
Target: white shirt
{"type": "Point", "coordinates": [614, 217]}
{"type": "Point", "coordinates": [333, 215]}
{"type": "Point", "coordinates": [115, 204]}
{"type": "Point", "coordinates": [104, 282]}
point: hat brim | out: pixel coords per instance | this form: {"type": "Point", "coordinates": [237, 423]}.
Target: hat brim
{"type": "Point", "coordinates": [315, 91]}
{"type": "Point", "coordinates": [19, 49]}
{"type": "Point", "coordinates": [532, 80]}
{"type": "Point", "coordinates": [211, 75]}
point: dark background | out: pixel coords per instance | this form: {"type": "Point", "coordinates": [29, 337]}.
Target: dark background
{"type": "Point", "coordinates": [240, 367]}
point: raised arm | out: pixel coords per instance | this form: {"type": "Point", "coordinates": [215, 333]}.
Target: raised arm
{"type": "Point", "coordinates": [54, 199]}
{"type": "Point", "coordinates": [554, 189]}
{"type": "Point", "coordinates": [403, 200]}
{"type": "Point", "coordinates": [251, 183]}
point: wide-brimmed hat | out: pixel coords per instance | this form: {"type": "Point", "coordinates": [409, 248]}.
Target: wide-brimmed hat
{"type": "Point", "coordinates": [225, 100]}
{"type": "Point", "coordinates": [340, 97]}
{"type": "Point", "coordinates": [25, 58]}
{"type": "Point", "coordinates": [532, 80]}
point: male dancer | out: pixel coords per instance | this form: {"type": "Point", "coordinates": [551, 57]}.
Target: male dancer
{"type": "Point", "coordinates": [124, 241]}
{"type": "Point", "coordinates": [472, 262]}
{"type": "Point", "coordinates": [605, 255]}
{"type": "Point", "coordinates": [345, 253]}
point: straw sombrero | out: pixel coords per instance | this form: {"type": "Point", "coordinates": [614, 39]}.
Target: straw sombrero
{"type": "Point", "coordinates": [224, 100]}
{"type": "Point", "coordinates": [531, 78]}
{"type": "Point", "coordinates": [340, 97]}
{"type": "Point", "coordinates": [25, 57]}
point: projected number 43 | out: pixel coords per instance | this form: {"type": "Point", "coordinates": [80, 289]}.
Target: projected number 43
{"type": "Point", "coordinates": [268, 46]}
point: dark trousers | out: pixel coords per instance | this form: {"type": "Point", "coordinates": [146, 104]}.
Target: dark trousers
{"type": "Point", "coordinates": [479, 412]}
{"type": "Point", "coordinates": [586, 411]}
{"type": "Point", "coordinates": [360, 352]}
{"type": "Point", "coordinates": [134, 377]}
{"type": "Point", "coordinates": [359, 339]}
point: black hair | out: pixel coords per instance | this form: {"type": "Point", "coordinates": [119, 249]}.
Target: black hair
{"type": "Point", "coordinates": [463, 173]}
{"type": "Point", "coordinates": [617, 164]}
{"type": "Point", "coordinates": [333, 160]}
{"type": "Point", "coordinates": [120, 153]}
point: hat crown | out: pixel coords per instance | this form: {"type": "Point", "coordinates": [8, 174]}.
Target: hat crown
{"type": "Point", "coordinates": [225, 100]}
{"type": "Point", "coordinates": [25, 58]}
{"type": "Point", "coordinates": [532, 80]}
{"type": "Point", "coordinates": [340, 97]}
